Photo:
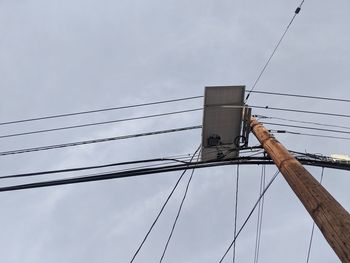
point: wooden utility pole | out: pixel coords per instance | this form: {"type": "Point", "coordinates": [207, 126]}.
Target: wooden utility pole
{"type": "Point", "coordinates": [331, 218]}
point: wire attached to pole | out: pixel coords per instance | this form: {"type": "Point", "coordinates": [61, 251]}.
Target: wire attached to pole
{"type": "Point", "coordinates": [296, 12]}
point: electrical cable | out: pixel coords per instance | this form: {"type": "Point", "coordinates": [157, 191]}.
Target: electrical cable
{"type": "Point", "coordinates": [137, 172]}
{"type": "Point", "coordinates": [296, 12]}
{"type": "Point", "coordinates": [283, 109]}
{"type": "Point", "coordinates": [170, 113]}
{"type": "Point", "coordinates": [304, 122]}
{"type": "Point", "coordinates": [98, 123]}
{"type": "Point", "coordinates": [249, 215]}
{"type": "Point", "coordinates": [301, 96]}
{"type": "Point", "coordinates": [161, 210]}
{"type": "Point", "coordinates": [72, 144]}
{"type": "Point", "coordinates": [260, 216]}
{"type": "Point", "coordinates": [300, 111]}
{"type": "Point", "coordinates": [172, 168]}
{"type": "Point", "coordinates": [75, 169]}
{"type": "Point", "coordinates": [313, 227]}
{"type": "Point", "coordinates": [99, 110]}
{"type": "Point", "coordinates": [185, 159]}
{"type": "Point", "coordinates": [306, 127]}
{"type": "Point", "coordinates": [310, 134]}
{"type": "Point", "coordinates": [178, 213]}
{"type": "Point", "coordinates": [235, 215]}
{"type": "Point", "coordinates": [162, 102]}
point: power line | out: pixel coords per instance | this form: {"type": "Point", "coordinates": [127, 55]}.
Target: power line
{"type": "Point", "coordinates": [296, 12]}
{"type": "Point", "coordinates": [163, 102]}
{"type": "Point", "coordinates": [98, 123]}
{"type": "Point", "coordinates": [301, 111]}
{"type": "Point", "coordinates": [311, 134]}
{"type": "Point", "coordinates": [306, 127]}
{"type": "Point", "coordinates": [260, 216]}
{"type": "Point", "coordinates": [304, 122]}
{"type": "Point", "coordinates": [235, 216]}
{"type": "Point", "coordinates": [178, 214]}
{"type": "Point", "coordinates": [135, 172]}
{"type": "Point", "coordinates": [173, 113]}
{"type": "Point", "coordinates": [161, 210]}
{"type": "Point", "coordinates": [99, 110]}
{"type": "Point", "coordinates": [84, 168]}
{"type": "Point", "coordinates": [72, 144]}
{"type": "Point", "coordinates": [249, 215]}
{"type": "Point", "coordinates": [300, 96]}
{"type": "Point", "coordinates": [313, 227]}
{"type": "Point", "coordinates": [184, 159]}
{"type": "Point", "coordinates": [171, 168]}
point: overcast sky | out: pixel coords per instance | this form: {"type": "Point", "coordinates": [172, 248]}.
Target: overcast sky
{"type": "Point", "coordinates": [63, 56]}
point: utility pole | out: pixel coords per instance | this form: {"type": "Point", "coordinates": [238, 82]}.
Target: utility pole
{"type": "Point", "coordinates": [331, 218]}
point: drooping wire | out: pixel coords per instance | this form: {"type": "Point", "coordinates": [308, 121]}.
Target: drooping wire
{"type": "Point", "coordinates": [313, 227]}
{"type": "Point", "coordinates": [235, 215]}
{"type": "Point", "coordinates": [178, 214]}
{"type": "Point", "coordinates": [97, 123]}
{"type": "Point", "coordinates": [161, 210]}
{"type": "Point", "coordinates": [296, 12]}
{"type": "Point", "coordinates": [249, 216]}
{"type": "Point", "coordinates": [260, 215]}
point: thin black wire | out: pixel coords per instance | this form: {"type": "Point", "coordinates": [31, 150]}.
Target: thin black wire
{"type": "Point", "coordinates": [260, 216]}
{"type": "Point", "coordinates": [236, 215]}
{"type": "Point", "coordinates": [162, 102]}
{"type": "Point", "coordinates": [97, 123]}
{"type": "Point", "coordinates": [306, 127]}
{"type": "Point", "coordinates": [185, 158]}
{"type": "Point", "coordinates": [99, 110]}
{"type": "Point", "coordinates": [138, 172]}
{"type": "Point", "coordinates": [161, 210]}
{"type": "Point", "coordinates": [178, 214]}
{"type": "Point", "coordinates": [72, 144]}
{"type": "Point", "coordinates": [329, 163]}
{"type": "Point", "coordinates": [301, 111]}
{"type": "Point", "coordinates": [258, 220]}
{"type": "Point", "coordinates": [301, 96]}
{"type": "Point", "coordinates": [311, 134]}
{"type": "Point", "coordinates": [304, 122]}
{"type": "Point", "coordinates": [75, 169]}
{"type": "Point", "coordinates": [249, 215]}
{"type": "Point", "coordinates": [313, 227]}
{"type": "Point", "coordinates": [275, 49]}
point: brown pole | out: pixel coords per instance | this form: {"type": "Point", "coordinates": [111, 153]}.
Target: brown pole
{"type": "Point", "coordinates": [331, 218]}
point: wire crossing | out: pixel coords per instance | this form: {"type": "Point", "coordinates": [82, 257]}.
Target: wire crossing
{"type": "Point", "coordinates": [178, 213]}
{"type": "Point", "coordinates": [249, 215]}
{"type": "Point", "coordinates": [161, 210]}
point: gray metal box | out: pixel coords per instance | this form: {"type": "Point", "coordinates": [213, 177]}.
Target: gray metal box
{"type": "Point", "coordinates": [222, 121]}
